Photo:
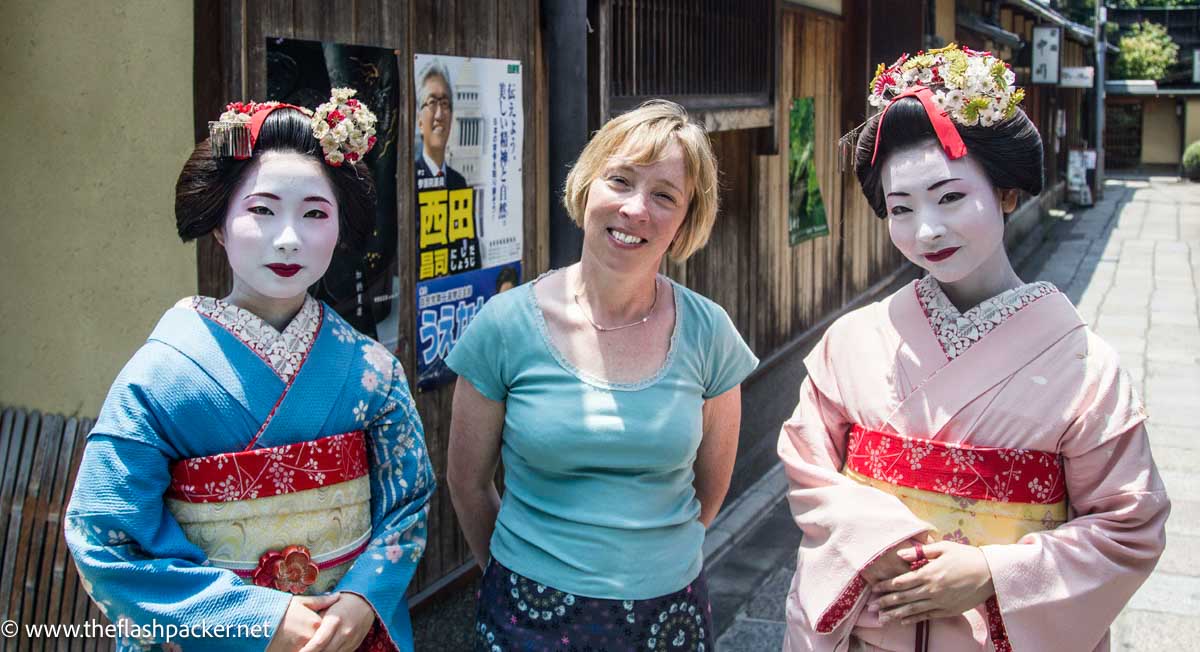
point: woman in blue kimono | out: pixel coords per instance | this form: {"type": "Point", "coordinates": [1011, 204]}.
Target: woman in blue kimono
{"type": "Point", "coordinates": [257, 478]}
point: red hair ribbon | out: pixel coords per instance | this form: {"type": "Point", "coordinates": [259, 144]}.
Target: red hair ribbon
{"type": "Point", "coordinates": [260, 116]}
{"type": "Point", "coordinates": [943, 127]}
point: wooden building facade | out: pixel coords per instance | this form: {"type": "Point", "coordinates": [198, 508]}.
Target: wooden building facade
{"type": "Point", "coordinates": [738, 66]}
{"type": "Point", "coordinates": [1062, 115]}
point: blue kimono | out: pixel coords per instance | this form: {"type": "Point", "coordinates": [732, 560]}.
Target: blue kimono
{"type": "Point", "coordinates": [214, 379]}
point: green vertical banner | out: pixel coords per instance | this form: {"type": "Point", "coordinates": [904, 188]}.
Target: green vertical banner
{"type": "Point", "coordinates": [806, 211]}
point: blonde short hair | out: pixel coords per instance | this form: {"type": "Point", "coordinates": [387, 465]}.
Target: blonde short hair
{"type": "Point", "coordinates": [643, 136]}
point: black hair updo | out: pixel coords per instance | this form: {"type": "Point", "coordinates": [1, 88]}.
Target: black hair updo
{"type": "Point", "coordinates": [205, 185]}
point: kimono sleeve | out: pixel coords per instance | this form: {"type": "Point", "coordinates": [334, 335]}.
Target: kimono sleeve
{"type": "Point", "coordinates": [480, 354]}
{"type": "Point", "coordinates": [728, 358]}
{"type": "Point", "coordinates": [845, 525]}
{"type": "Point", "coordinates": [402, 482]}
{"type": "Point", "coordinates": [1085, 571]}
{"type": "Point", "coordinates": [138, 566]}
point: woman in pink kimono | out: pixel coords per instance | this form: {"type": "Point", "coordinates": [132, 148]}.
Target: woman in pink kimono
{"type": "Point", "coordinates": [968, 462]}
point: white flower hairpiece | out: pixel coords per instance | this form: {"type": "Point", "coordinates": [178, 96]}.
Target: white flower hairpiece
{"type": "Point", "coordinates": [973, 88]}
{"type": "Point", "coordinates": [345, 127]}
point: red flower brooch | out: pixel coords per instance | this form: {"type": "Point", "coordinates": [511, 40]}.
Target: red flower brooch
{"type": "Point", "coordinates": [291, 569]}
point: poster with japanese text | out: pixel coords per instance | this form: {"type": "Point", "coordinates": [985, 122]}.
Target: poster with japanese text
{"type": "Point", "coordinates": [467, 151]}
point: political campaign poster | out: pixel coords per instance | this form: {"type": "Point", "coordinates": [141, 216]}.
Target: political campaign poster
{"type": "Point", "coordinates": [468, 146]}
{"type": "Point", "coordinates": [445, 307]}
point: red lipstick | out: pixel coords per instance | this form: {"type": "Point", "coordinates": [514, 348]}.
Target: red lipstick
{"type": "Point", "coordinates": [285, 271]}
{"type": "Point", "coordinates": [941, 255]}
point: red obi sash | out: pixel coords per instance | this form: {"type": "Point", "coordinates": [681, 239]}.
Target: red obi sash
{"type": "Point", "coordinates": [254, 474]}
{"type": "Point", "coordinates": [974, 495]}
{"type": "Point", "coordinates": [262, 472]}
{"type": "Point", "coordinates": [1008, 475]}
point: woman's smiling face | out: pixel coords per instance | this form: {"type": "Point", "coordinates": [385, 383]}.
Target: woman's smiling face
{"type": "Point", "coordinates": [944, 215]}
{"type": "Point", "coordinates": [634, 211]}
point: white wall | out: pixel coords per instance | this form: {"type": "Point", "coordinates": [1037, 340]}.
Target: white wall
{"type": "Point", "coordinates": [98, 124]}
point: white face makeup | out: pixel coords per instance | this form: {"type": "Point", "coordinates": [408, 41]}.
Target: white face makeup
{"type": "Point", "coordinates": [280, 229]}
{"type": "Point", "coordinates": [633, 211]}
{"type": "Point", "coordinates": [944, 215]}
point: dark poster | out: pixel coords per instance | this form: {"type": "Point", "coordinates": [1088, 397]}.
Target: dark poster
{"type": "Point", "coordinates": [361, 284]}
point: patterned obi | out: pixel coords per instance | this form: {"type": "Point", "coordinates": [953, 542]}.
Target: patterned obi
{"type": "Point", "coordinates": [970, 494]}
{"type": "Point", "coordinates": [292, 517]}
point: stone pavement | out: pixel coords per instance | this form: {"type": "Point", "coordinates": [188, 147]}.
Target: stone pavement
{"type": "Point", "coordinates": [1131, 264]}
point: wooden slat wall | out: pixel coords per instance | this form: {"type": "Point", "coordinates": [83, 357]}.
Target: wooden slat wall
{"type": "Point", "coordinates": [689, 48]}
{"type": "Point", "coordinates": [506, 29]}
{"type": "Point", "coordinates": [725, 270]}
{"type": "Point", "coordinates": [40, 455]}
{"type": "Point", "coordinates": [774, 291]}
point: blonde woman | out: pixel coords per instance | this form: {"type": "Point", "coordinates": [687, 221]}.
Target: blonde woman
{"type": "Point", "coordinates": [613, 397]}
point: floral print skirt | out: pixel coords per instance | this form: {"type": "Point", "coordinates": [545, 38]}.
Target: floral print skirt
{"type": "Point", "coordinates": [516, 614]}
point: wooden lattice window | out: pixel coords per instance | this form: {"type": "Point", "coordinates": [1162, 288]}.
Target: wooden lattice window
{"type": "Point", "coordinates": [704, 54]}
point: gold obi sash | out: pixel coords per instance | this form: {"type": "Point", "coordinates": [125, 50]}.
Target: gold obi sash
{"type": "Point", "coordinates": [292, 517]}
{"type": "Point", "coordinates": [970, 494]}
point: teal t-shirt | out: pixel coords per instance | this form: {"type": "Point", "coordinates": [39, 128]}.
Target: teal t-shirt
{"type": "Point", "coordinates": [598, 497]}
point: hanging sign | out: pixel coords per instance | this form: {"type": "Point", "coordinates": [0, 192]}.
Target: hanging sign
{"type": "Point", "coordinates": [1078, 77]}
{"type": "Point", "coordinates": [1046, 42]}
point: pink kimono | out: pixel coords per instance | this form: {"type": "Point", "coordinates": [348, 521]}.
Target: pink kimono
{"type": "Point", "coordinates": [1010, 427]}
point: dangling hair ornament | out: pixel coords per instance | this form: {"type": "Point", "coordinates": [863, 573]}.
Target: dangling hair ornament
{"type": "Point", "coordinates": [953, 84]}
{"type": "Point", "coordinates": [343, 126]}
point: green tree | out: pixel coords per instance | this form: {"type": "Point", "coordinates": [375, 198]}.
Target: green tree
{"type": "Point", "coordinates": [1147, 52]}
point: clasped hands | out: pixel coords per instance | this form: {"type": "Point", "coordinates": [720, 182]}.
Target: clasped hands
{"type": "Point", "coordinates": [954, 580]}
{"type": "Point", "coordinates": [337, 622]}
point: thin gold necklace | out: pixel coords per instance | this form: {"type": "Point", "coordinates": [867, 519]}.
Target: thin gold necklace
{"type": "Point", "coordinates": [606, 329]}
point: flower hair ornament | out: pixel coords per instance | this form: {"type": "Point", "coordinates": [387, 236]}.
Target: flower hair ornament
{"type": "Point", "coordinates": [953, 84]}
{"type": "Point", "coordinates": [343, 126]}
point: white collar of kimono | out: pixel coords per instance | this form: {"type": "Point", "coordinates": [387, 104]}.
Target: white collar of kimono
{"type": "Point", "coordinates": [956, 331]}
{"type": "Point", "coordinates": [282, 351]}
